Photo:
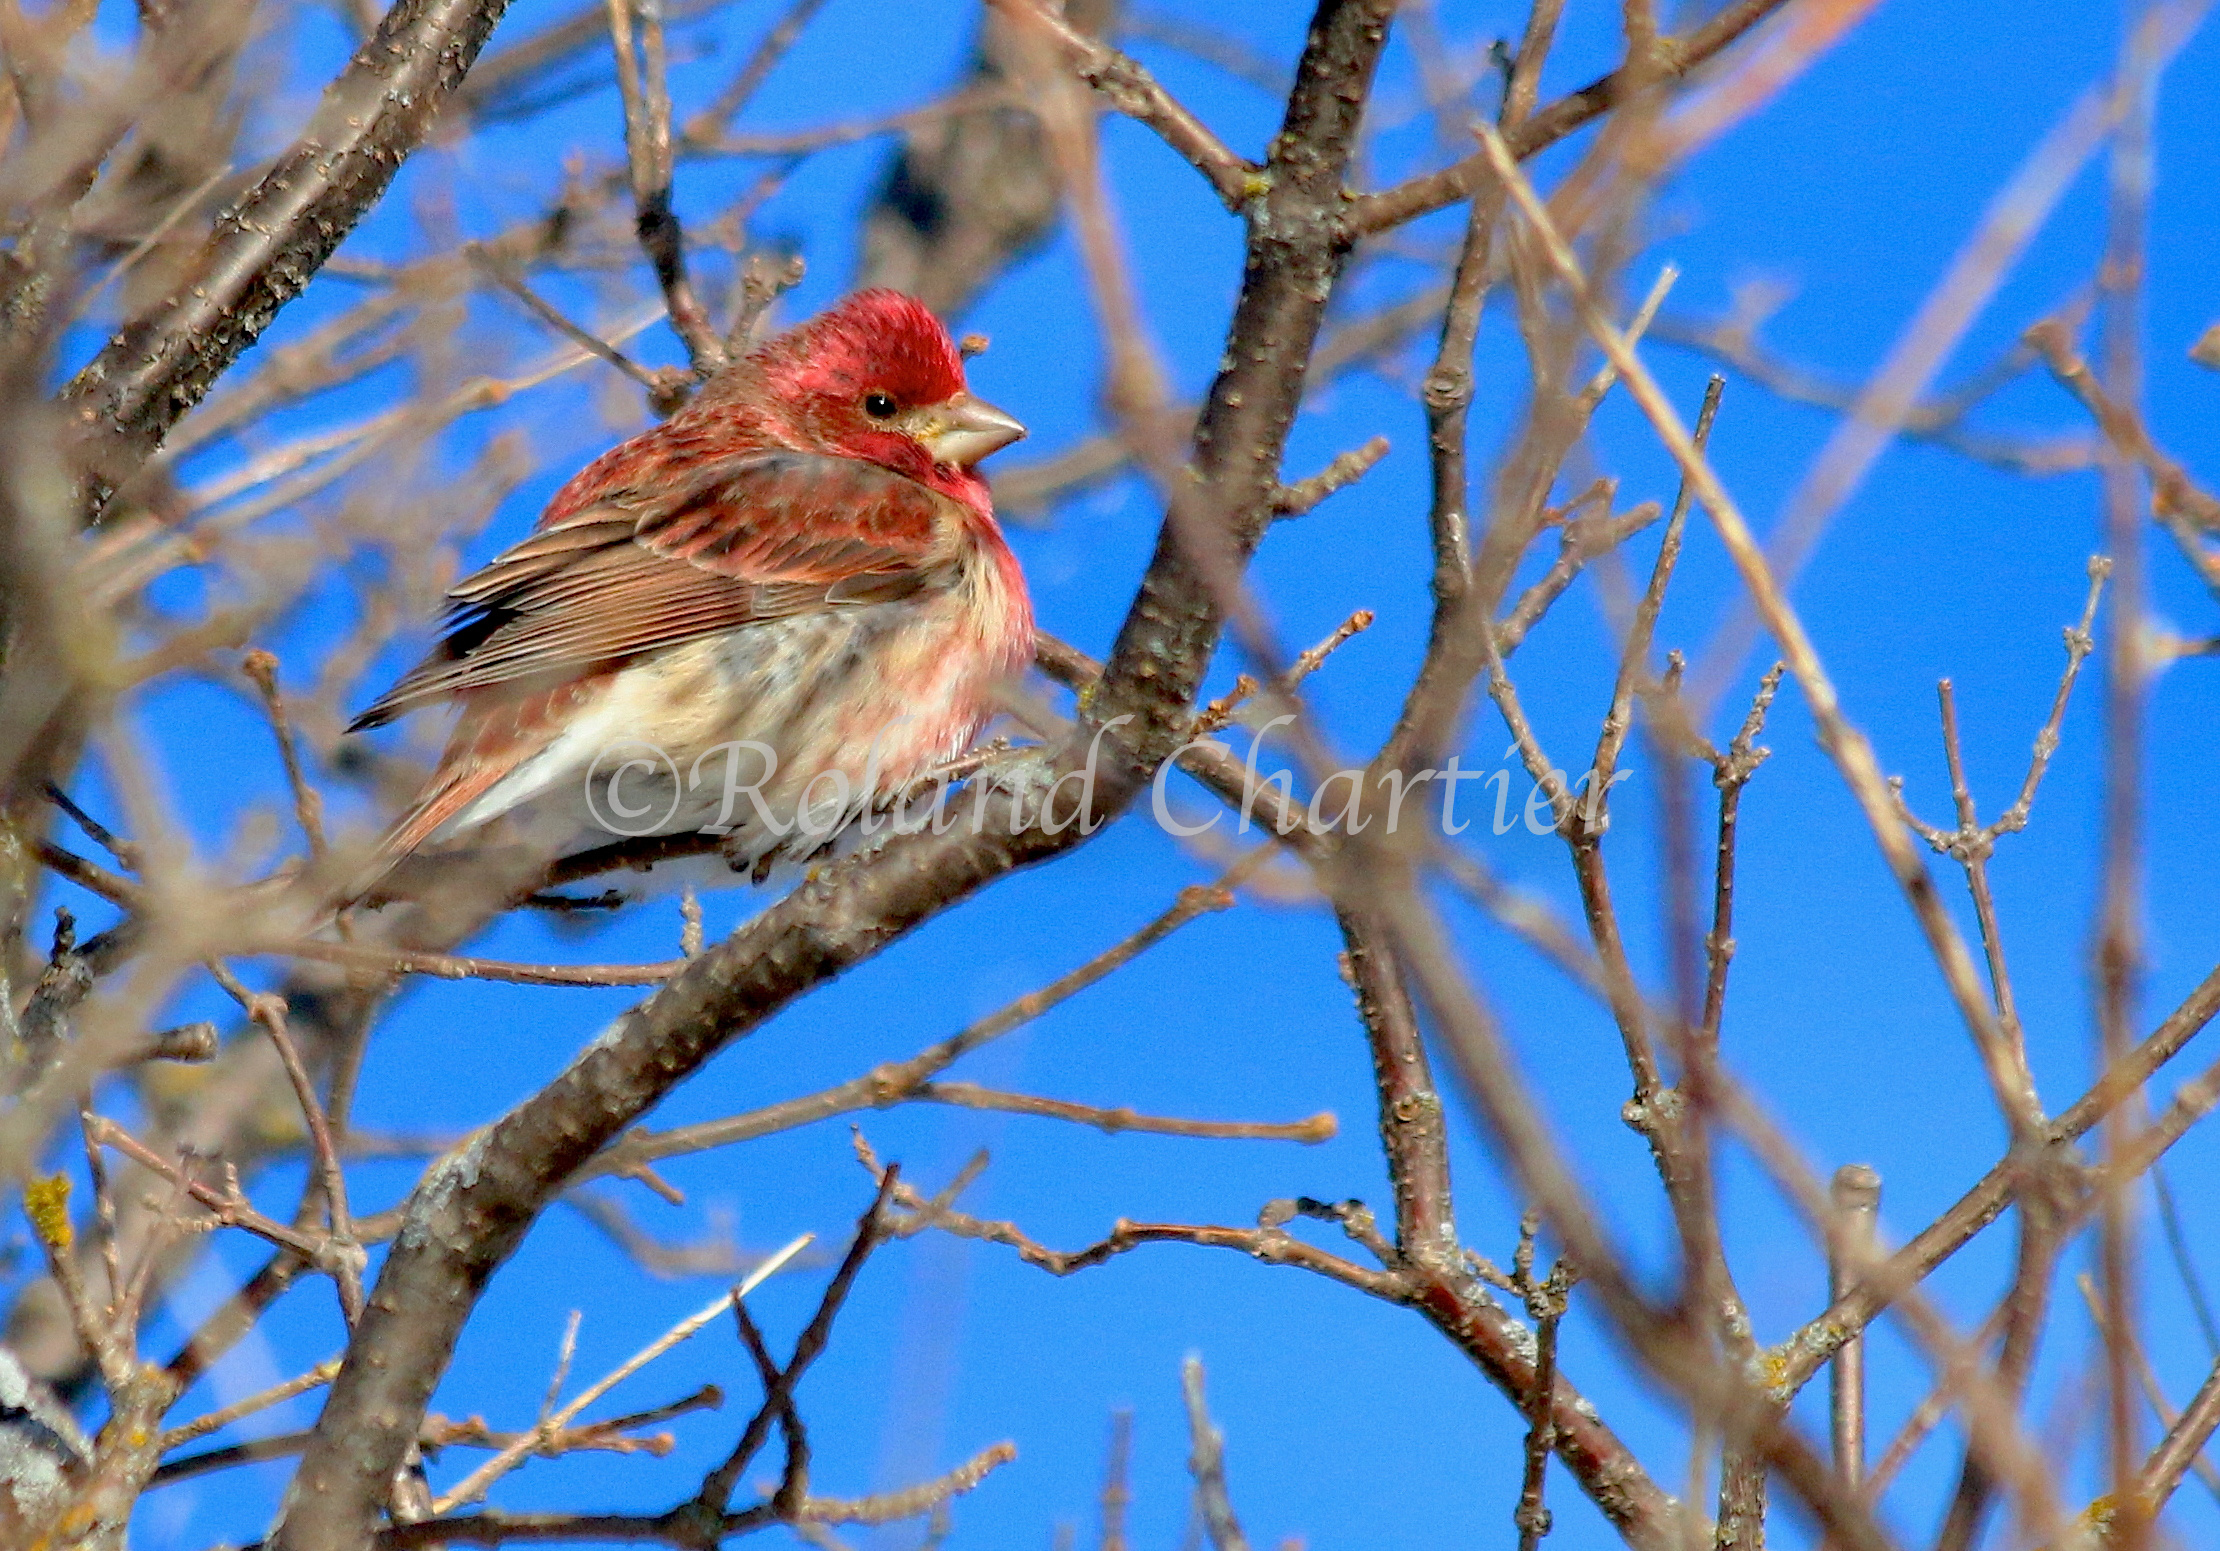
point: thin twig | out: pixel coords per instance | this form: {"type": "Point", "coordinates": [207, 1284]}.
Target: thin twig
{"type": "Point", "coordinates": [1634, 655]}
{"type": "Point", "coordinates": [2168, 1418]}
{"type": "Point", "coordinates": [277, 1394]}
{"type": "Point", "coordinates": [1269, 1241]}
{"type": "Point", "coordinates": [1207, 1462]}
{"type": "Point", "coordinates": [341, 1254]}
{"type": "Point", "coordinates": [2185, 1262]}
{"type": "Point", "coordinates": [1857, 1197]}
{"type": "Point", "coordinates": [448, 966]}
{"type": "Point", "coordinates": [1345, 470]}
{"type": "Point", "coordinates": [647, 124]}
{"type": "Point", "coordinates": [2173, 492]}
{"type": "Point", "coordinates": [1320, 1127]}
{"type": "Point", "coordinates": [505, 276]}
{"type": "Point", "coordinates": [122, 850]}
{"type": "Point", "coordinates": [229, 1207]}
{"type": "Point", "coordinates": [1130, 89]}
{"type": "Point", "coordinates": [308, 803]}
{"type": "Point", "coordinates": [892, 1082]}
{"type": "Point", "coordinates": [473, 1486]}
{"type": "Point", "coordinates": [1117, 1485]}
{"type": "Point", "coordinates": [871, 1230]}
{"type": "Point", "coordinates": [765, 58]}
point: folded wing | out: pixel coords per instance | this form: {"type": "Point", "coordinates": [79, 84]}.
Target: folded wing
{"type": "Point", "coordinates": [763, 535]}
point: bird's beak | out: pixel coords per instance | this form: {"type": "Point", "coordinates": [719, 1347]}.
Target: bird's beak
{"type": "Point", "coordinates": [965, 429]}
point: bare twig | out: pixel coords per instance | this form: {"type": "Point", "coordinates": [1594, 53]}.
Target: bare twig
{"type": "Point", "coordinates": [1318, 1128]}
{"type": "Point", "coordinates": [1345, 470]}
{"type": "Point", "coordinates": [448, 966]}
{"type": "Point", "coordinates": [896, 1081]}
{"type": "Point", "coordinates": [1207, 1462]}
{"type": "Point", "coordinates": [1130, 89]}
{"type": "Point", "coordinates": [1535, 132]}
{"type": "Point", "coordinates": [1117, 1485]}
{"type": "Point", "coordinates": [1941, 421]}
{"type": "Point", "coordinates": [1857, 1194]}
{"type": "Point", "coordinates": [2173, 492]}
{"type": "Point", "coordinates": [340, 1253]}
{"type": "Point", "coordinates": [473, 1486]}
{"type": "Point", "coordinates": [1269, 1241]}
{"type": "Point", "coordinates": [505, 276]}
{"type": "Point", "coordinates": [227, 1206]}
{"type": "Point", "coordinates": [647, 126]}
{"type": "Point", "coordinates": [308, 805]}
{"type": "Point", "coordinates": [736, 93]}
{"type": "Point", "coordinates": [871, 1230]}
{"type": "Point", "coordinates": [277, 1394]}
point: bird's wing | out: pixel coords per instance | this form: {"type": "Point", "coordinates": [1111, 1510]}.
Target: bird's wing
{"type": "Point", "coordinates": [763, 535]}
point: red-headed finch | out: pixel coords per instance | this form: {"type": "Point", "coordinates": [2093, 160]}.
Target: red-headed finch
{"type": "Point", "coordinates": [788, 601]}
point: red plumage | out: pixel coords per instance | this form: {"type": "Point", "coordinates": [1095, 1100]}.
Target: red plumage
{"type": "Point", "coordinates": [802, 559]}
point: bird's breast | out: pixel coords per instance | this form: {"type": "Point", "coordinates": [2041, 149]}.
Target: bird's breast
{"type": "Point", "coordinates": [892, 687]}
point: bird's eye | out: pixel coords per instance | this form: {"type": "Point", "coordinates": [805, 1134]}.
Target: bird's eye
{"type": "Point", "coordinates": [878, 406]}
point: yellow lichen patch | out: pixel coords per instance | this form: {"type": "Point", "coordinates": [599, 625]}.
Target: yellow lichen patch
{"type": "Point", "coordinates": [2093, 1527]}
{"type": "Point", "coordinates": [46, 1203]}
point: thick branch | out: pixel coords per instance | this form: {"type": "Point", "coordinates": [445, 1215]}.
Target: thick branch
{"type": "Point", "coordinates": [266, 248]}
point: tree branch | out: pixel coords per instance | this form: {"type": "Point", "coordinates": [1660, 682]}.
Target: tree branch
{"type": "Point", "coordinates": [472, 1210]}
{"type": "Point", "coordinates": [269, 245]}
{"type": "Point", "coordinates": [1371, 213]}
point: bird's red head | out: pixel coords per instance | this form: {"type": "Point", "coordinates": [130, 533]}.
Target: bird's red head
{"type": "Point", "coordinates": [877, 377]}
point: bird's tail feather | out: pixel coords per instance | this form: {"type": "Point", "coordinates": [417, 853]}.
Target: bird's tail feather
{"type": "Point", "coordinates": [451, 791]}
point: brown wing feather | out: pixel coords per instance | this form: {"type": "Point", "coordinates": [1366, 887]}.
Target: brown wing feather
{"type": "Point", "coordinates": [764, 535]}
{"type": "Point", "coordinates": [544, 554]}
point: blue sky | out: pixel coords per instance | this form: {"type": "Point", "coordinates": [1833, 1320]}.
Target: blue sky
{"type": "Point", "coordinates": [1349, 1423]}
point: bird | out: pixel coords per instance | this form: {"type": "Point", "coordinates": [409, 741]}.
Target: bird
{"type": "Point", "coordinates": [762, 618]}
